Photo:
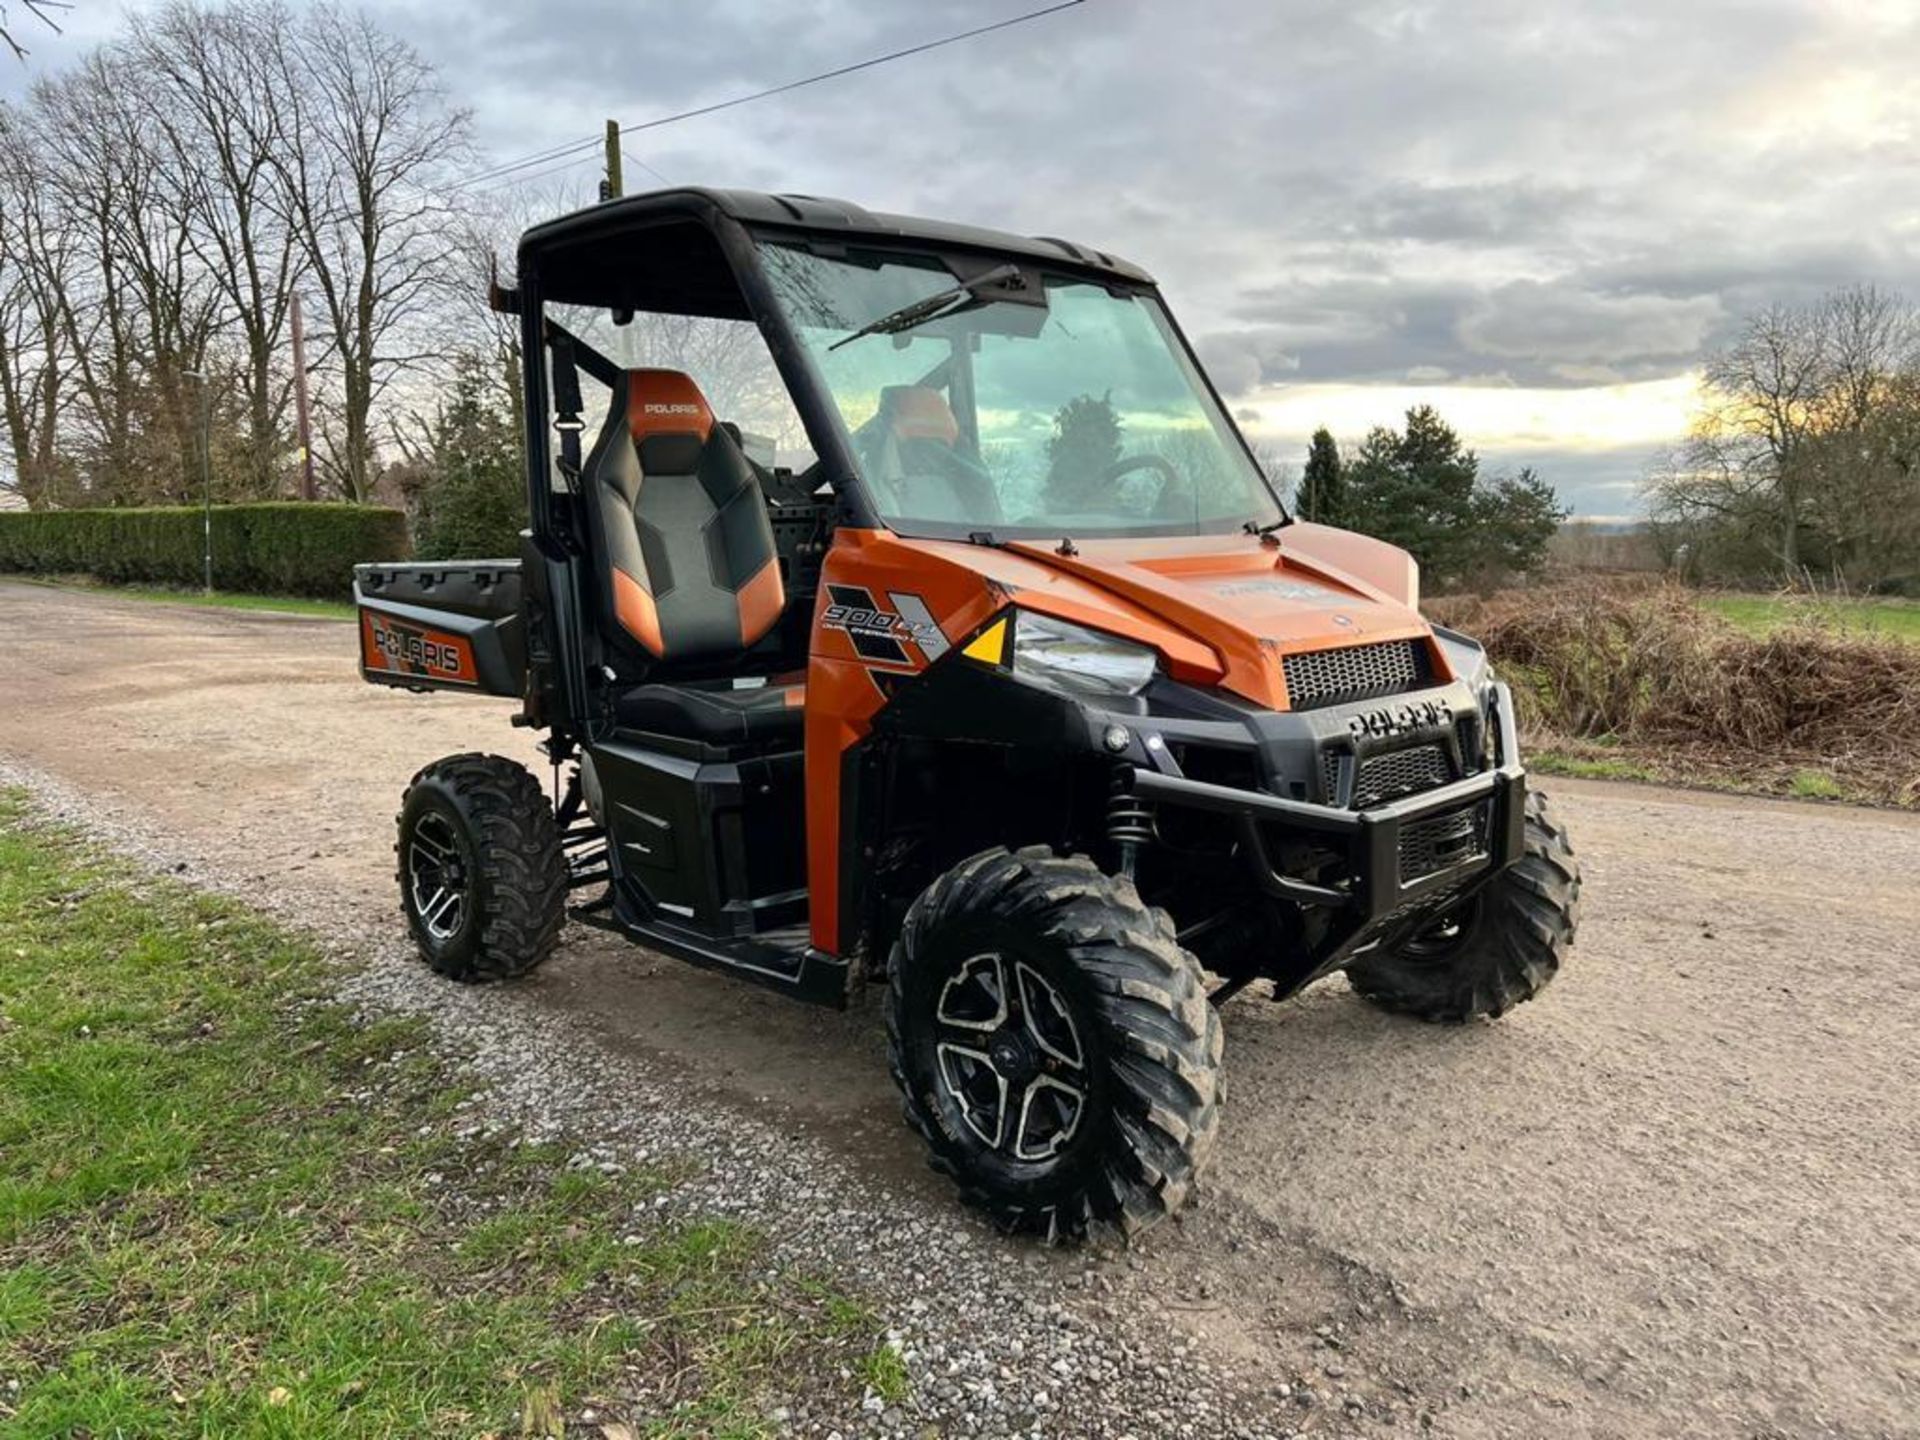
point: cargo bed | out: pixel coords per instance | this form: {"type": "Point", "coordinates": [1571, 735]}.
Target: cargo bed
{"type": "Point", "coordinates": [442, 625]}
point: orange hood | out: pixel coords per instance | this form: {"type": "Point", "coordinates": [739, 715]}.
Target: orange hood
{"type": "Point", "coordinates": [1222, 610]}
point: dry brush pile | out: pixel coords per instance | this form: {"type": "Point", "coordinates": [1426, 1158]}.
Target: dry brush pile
{"type": "Point", "coordinates": [1644, 667]}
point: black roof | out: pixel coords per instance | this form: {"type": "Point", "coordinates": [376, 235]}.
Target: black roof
{"type": "Point", "coordinates": [817, 215]}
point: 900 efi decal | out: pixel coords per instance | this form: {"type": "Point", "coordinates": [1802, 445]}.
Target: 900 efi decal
{"type": "Point", "coordinates": [397, 648]}
{"type": "Point", "coordinates": [880, 634]}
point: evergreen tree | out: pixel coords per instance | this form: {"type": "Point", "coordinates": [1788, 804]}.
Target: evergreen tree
{"type": "Point", "coordinates": [1514, 518]}
{"type": "Point", "coordinates": [1323, 484]}
{"type": "Point", "coordinates": [1420, 488]}
{"type": "Point", "coordinates": [471, 503]}
{"type": "Point", "coordinates": [1083, 449]}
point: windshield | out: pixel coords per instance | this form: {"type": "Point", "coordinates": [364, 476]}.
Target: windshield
{"type": "Point", "coordinates": [1022, 404]}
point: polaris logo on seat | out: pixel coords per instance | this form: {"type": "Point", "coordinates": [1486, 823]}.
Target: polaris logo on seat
{"type": "Point", "coordinates": [653, 409]}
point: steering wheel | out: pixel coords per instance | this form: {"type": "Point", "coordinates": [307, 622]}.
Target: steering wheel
{"type": "Point", "coordinates": [962, 476]}
{"type": "Point", "coordinates": [1171, 480]}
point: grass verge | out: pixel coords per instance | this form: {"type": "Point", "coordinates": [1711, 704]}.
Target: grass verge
{"type": "Point", "coordinates": [228, 1208]}
{"type": "Point", "coordinates": [1764, 614]}
{"type": "Point", "coordinates": [219, 600]}
{"type": "Point", "coordinates": [1587, 767]}
{"type": "Point", "coordinates": [1784, 777]}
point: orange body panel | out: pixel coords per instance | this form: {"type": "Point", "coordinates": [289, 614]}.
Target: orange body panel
{"type": "Point", "coordinates": [1221, 610]}
{"type": "Point", "coordinates": [1362, 560]}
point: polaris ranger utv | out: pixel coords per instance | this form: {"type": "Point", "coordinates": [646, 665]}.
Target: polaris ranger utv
{"type": "Point", "coordinates": [1021, 695]}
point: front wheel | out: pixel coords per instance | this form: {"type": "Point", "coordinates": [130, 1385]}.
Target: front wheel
{"type": "Point", "coordinates": [483, 883]}
{"type": "Point", "coordinates": [1501, 945]}
{"type": "Point", "coordinates": [1054, 1044]}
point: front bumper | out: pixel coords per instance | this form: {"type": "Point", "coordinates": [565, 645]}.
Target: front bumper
{"type": "Point", "coordinates": [1376, 842]}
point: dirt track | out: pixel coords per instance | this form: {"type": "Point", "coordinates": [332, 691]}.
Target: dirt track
{"type": "Point", "coordinates": [1679, 1195]}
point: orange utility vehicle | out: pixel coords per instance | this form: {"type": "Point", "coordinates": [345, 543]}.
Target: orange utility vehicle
{"type": "Point", "coordinates": [1017, 690]}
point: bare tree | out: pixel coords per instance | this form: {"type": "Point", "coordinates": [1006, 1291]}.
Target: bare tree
{"type": "Point", "coordinates": [1794, 378]}
{"type": "Point", "coordinates": [41, 10]}
{"type": "Point", "coordinates": [369, 146]}
{"type": "Point", "coordinates": [34, 262]}
{"type": "Point", "coordinates": [1275, 464]}
{"type": "Point", "coordinates": [217, 116]}
{"type": "Point", "coordinates": [1872, 341]}
{"type": "Point", "coordinates": [1868, 479]}
{"type": "Point", "coordinates": [483, 246]}
{"type": "Point", "coordinates": [145, 321]}
{"type": "Point", "coordinates": [159, 203]}
{"type": "Point", "coordinates": [96, 309]}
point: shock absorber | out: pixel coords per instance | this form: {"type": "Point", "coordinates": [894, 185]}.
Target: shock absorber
{"type": "Point", "coordinates": [1129, 822]}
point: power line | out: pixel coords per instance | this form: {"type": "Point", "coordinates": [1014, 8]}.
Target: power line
{"type": "Point", "coordinates": [576, 147]}
{"type": "Point", "coordinates": [566, 164]}
{"type": "Point", "coordinates": [581, 146]}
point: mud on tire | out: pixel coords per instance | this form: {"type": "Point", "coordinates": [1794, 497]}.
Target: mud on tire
{"type": "Point", "coordinates": [483, 883]}
{"type": "Point", "coordinates": [1032, 962]}
{"type": "Point", "coordinates": [1503, 946]}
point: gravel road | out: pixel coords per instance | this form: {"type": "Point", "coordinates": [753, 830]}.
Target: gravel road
{"type": "Point", "coordinates": [1678, 1196]}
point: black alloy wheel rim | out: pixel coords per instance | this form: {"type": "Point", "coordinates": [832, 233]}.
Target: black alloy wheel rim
{"type": "Point", "coordinates": [438, 877]}
{"type": "Point", "coordinates": [1010, 1058]}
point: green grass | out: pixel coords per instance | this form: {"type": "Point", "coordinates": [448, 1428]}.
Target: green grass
{"type": "Point", "coordinates": [885, 1373]}
{"type": "Point", "coordinates": [1553, 762]}
{"type": "Point", "coordinates": [227, 1208]}
{"type": "Point", "coordinates": [219, 600]}
{"type": "Point", "coordinates": [1759, 614]}
{"type": "Point", "coordinates": [1815, 785]}
{"type": "Point", "coordinates": [1802, 784]}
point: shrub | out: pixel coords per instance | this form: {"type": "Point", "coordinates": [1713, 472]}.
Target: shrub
{"type": "Point", "coordinates": [289, 548]}
{"type": "Point", "coordinates": [1643, 664]}
{"type": "Point", "coordinates": [1589, 659]}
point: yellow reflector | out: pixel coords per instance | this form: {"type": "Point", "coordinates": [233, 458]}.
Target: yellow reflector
{"type": "Point", "coordinates": [989, 645]}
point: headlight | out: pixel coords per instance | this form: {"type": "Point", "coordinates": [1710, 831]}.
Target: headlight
{"type": "Point", "coordinates": [1078, 661]}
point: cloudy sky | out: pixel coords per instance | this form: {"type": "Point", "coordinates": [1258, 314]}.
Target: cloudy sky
{"type": "Point", "coordinates": [1536, 216]}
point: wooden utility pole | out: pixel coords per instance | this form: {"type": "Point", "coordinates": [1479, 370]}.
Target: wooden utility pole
{"type": "Point", "coordinates": [300, 406]}
{"type": "Point", "coordinates": [613, 187]}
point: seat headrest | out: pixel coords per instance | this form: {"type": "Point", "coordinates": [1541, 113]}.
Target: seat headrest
{"type": "Point", "coordinates": [666, 402]}
{"type": "Point", "coordinates": [918, 412]}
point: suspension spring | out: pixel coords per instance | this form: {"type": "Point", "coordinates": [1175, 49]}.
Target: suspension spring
{"type": "Point", "coordinates": [1129, 822]}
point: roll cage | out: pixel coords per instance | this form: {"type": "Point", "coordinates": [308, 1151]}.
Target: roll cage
{"type": "Point", "coordinates": [695, 252]}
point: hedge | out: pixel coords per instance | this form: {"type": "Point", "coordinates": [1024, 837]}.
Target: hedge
{"type": "Point", "coordinates": [285, 548]}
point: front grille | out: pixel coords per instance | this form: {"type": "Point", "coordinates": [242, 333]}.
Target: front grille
{"type": "Point", "coordinates": [1325, 677]}
{"type": "Point", "coordinates": [1388, 777]}
{"type": "Point", "coordinates": [1430, 845]}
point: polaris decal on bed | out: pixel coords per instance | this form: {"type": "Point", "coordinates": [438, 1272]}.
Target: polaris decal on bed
{"type": "Point", "coordinates": [880, 634]}
{"type": "Point", "coordinates": [397, 648]}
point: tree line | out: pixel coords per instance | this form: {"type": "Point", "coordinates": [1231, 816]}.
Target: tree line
{"type": "Point", "coordinates": [162, 201]}
{"type": "Point", "coordinates": [1421, 488]}
{"type": "Point", "coordinates": [1804, 457]}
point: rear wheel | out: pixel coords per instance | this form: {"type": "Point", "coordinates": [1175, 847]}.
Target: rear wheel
{"type": "Point", "coordinates": [483, 883]}
{"type": "Point", "coordinates": [1501, 945]}
{"type": "Point", "coordinates": [1054, 1045]}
